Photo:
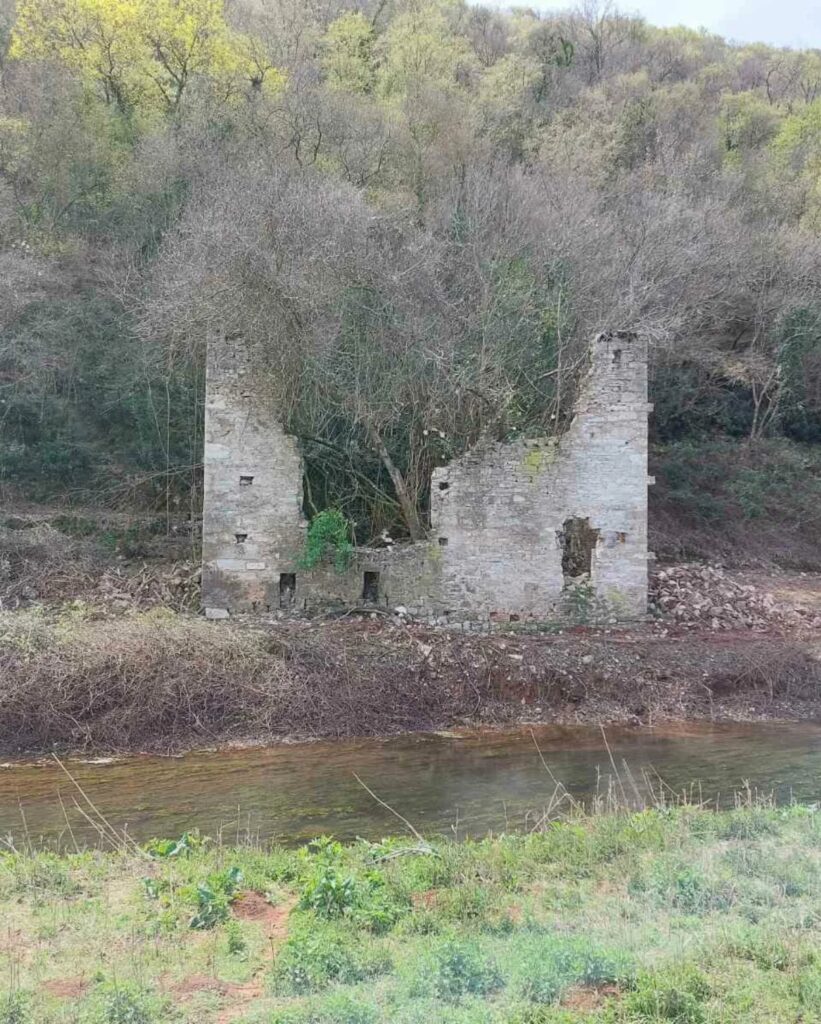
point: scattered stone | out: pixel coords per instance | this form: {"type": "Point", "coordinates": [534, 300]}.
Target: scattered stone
{"type": "Point", "coordinates": [699, 596]}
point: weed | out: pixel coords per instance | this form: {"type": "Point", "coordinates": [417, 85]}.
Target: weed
{"type": "Point", "coordinates": [170, 848]}
{"type": "Point", "coordinates": [513, 930]}
{"type": "Point", "coordinates": [328, 537]}
{"type": "Point", "coordinates": [540, 1014]}
{"type": "Point", "coordinates": [210, 898]}
{"type": "Point", "coordinates": [748, 823]}
{"type": "Point", "coordinates": [124, 1005]}
{"type": "Point", "coordinates": [809, 989]}
{"type": "Point", "coordinates": [40, 875]}
{"type": "Point", "coordinates": [544, 967]}
{"type": "Point", "coordinates": [580, 602]}
{"type": "Point", "coordinates": [337, 1008]}
{"type": "Point", "coordinates": [765, 950]}
{"type": "Point", "coordinates": [456, 969]}
{"type": "Point", "coordinates": [214, 897]}
{"type": "Point", "coordinates": [15, 1009]}
{"type": "Point", "coordinates": [463, 903]}
{"type": "Point", "coordinates": [313, 959]}
{"type": "Point", "coordinates": [686, 887]}
{"type": "Point", "coordinates": [237, 946]}
{"type": "Point", "coordinates": [328, 894]}
{"type": "Point", "coordinates": [677, 996]}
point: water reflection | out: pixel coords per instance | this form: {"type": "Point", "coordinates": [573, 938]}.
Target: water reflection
{"type": "Point", "coordinates": [470, 784]}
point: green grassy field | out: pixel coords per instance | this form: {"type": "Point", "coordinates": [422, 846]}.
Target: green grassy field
{"type": "Point", "coordinates": [678, 915]}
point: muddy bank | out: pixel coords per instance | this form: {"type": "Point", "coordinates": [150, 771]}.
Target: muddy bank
{"type": "Point", "coordinates": [164, 682]}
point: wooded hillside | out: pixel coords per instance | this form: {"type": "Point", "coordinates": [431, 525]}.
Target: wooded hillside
{"type": "Point", "coordinates": [417, 212]}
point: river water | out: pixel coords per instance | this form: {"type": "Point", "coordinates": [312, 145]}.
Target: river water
{"type": "Point", "coordinates": [460, 784]}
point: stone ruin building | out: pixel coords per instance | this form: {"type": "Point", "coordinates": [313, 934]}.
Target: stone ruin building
{"type": "Point", "coordinates": [516, 527]}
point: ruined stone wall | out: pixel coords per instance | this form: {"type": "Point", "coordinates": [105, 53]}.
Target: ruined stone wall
{"type": "Point", "coordinates": [253, 526]}
{"type": "Point", "coordinates": [502, 513]}
{"type": "Point", "coordinates": [512, 523]}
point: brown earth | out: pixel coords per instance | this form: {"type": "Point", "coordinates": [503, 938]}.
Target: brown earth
{"type": "Point", "coordinates": [587, 999]}
{"type": "Point", "coordinates": [66, 988]}
{"type": "Point", "coordinates": [169, 685]}
{"type": "Point", "coordinates": [253, 906]}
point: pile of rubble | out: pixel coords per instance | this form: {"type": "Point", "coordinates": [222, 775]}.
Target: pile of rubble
{"type": "Point", "coordinates": [706, 597]}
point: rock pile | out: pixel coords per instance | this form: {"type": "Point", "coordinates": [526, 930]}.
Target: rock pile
{"type": "Point", "coordinates": [706, 597]}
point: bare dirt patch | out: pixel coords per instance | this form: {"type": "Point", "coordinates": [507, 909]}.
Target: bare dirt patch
{"type": "Point", "coordinates": [241, 997]}
{"type": "Point", "coordinates": [189, 986]}
{"type": "Point", "coordinates": [253, 906]}
{"type": "Point", "coordinates": [238, 995]}
{"type": "Point", "coordinates": [515, 914]}
{"type": "Point", "coordinates": [425, 900]}
{"type": "Point", "coordinates": [586, 999]}
{"type": "Point", "coordinates": [66, 988]}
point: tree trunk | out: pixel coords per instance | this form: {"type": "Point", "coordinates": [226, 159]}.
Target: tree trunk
{"type": "Point", "coordinates": [410, 513]}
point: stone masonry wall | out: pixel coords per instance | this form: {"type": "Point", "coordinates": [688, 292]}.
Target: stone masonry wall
{"type": "Point", "coordinates": [503, 517]}
{"type": "Point", "coordinates": [500, 511]}
{"type": "Point", "coordinates": [253, 526]}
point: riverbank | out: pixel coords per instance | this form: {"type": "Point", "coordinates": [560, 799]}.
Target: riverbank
{"type": "Point", "coordinates": [102, 650]}
{"type": "Point", "coordinates": [76, 679]}
{"type": "Point", "coordinates": [668, 914]}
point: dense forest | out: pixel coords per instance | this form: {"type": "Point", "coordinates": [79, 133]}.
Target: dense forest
{"type": "Point", "coordinates": [416, 213]}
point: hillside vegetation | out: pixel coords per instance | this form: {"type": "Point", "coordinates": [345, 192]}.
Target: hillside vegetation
{"type": "Point", "coordinates": [416, 213]}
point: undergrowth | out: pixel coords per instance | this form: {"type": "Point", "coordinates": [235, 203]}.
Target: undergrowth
{"type": "Point", "coordinates": [737, 501]}
{"type": "Point", "coordinates": [678, 915]}
{"type": "Point", "coordinates": [76, 678]}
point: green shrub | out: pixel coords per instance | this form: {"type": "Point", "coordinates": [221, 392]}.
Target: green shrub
{"type": "Point", "coordinates": [544, 967]}
{"type": "Point", "coordinates": [40, 875]}
{"type": "Point", "coordinates": [210, 898]}
{"type": "Point", "coordinates": [720, 498]}
{"type": "Point", "coordinates": [809, 989]}
{"type": "Point", "coordinates": [170, 848]}
{"type": "Point", "coordinates": [677, 996]}
{"type": "Point", "coordinates": [214, 898]}
{"type": "Point", "coordinates": [126, 1005]}
{"type": "Point", "coordinates": [685, 887]}
{"type": "Point", "coordinates": [748, 823]}
{"type": "Point", "coordinates": [761, 947]}
{"type": "Point", "coordinates": [328, 538]}
{"type": "Point", "coordinates": [235, 940]}
{"type": "Point", "coordinates": [336, 1008]}
{"type": "Point", "coordinates": [463, 903]}
{"type": "Point", "coordinates": [458, 969]}
{"type": "Point", "coordinates": [542, 1014]}
{"type": "Point", "coordinates": [328, 894]}
{"type": "Point", "coordinates": [314, 958]}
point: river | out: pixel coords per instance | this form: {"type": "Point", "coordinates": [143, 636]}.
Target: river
{"type": "Point", "coordinates": [460, 784]}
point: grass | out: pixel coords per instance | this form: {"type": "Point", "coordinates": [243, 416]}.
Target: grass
{"type": "Point", "coordinates": [667, 915]}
